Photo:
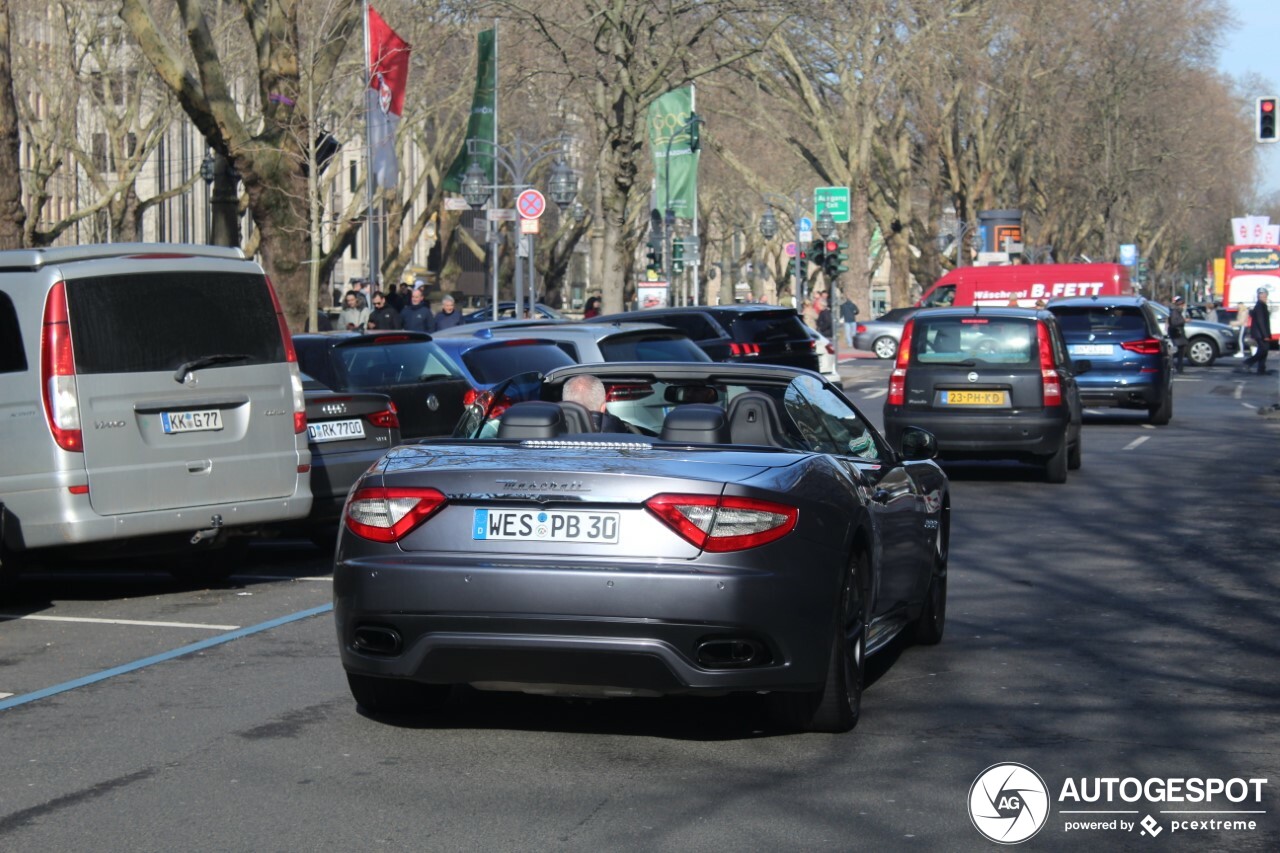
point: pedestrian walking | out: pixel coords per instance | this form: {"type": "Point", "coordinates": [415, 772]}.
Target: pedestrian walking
{"type": "Point", "coordinates": [417, 316]}
{"type": "Point", "coordinates": [383, 316]}
{"type": "Point", "coordinates": [1259, 333]}
{"type": "Point", "coordinates": [1178, 331]}
{"type": "Point", "coordinates": [352, 317]}
{"type": "Point", "coordinates": [449, 315]}
{"type": "Point", "coordinates": [849, 316]}
{"type": "Point", "coordinates": [1241, 322]}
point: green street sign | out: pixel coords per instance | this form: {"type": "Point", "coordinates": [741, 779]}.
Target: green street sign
{"type": "Point", "coordinates": [835, 200]}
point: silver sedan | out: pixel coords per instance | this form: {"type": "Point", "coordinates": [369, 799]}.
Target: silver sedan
{"type": "Point", "coordinates": [881, 335]}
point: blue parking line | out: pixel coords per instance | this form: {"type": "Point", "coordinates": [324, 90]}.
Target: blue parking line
{"type": "Point", "coordinates": [14, 701]}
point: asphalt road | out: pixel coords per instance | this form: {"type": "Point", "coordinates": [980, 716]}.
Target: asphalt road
{"type": "Point", "coordinates": [1122, 625]}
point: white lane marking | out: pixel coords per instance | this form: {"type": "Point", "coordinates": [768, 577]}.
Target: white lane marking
{"type": "Point", "coordinates": [325, 579]}
{"type": "Point", "coordinates": [7, 695]}
{"type": "Point", "coordinates": [90, 619]}
{"type": "Point", "coordinates": [875, 392]}
{"type": "Point", "coordinates": [1249, 405]}
{"type": "Point", "coordinates": [1131, 445]}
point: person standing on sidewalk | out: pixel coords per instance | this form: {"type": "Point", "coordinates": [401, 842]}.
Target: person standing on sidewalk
{"type": "Point", "coordinates": [849, 316]}
{"type": "Point", "coordinates": [1260, 333]}
{"type": "Point", "coordinates": [1178, 331]}
{"type": "Point", "coordinates": [1241, 322]}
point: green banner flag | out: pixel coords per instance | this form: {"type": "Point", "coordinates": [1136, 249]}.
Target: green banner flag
{"type": "Point", "coordinates": [484, 111]}
{"type": "Point", "coordinates": [675, 164]}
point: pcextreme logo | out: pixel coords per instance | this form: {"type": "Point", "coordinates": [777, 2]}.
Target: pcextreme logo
{"type": "Point", "coordinates": [1009, 803]}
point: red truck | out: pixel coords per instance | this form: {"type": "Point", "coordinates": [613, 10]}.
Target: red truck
{"type": "Point", "coordinates": [1026, 283]}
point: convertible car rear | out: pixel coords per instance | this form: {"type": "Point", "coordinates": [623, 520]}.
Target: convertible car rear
{"type": "Point", "coordinates": [748, 531]}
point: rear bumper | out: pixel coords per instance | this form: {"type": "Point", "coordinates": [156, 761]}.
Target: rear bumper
{"type": "Point", "coordinates": [617, 629]}
{"type": "Point", "coordinates": [1129, 392]}
{"type": "Point", "coordinates": [55, 517]}
{"type": "Point", "coordinates": [973, 433]}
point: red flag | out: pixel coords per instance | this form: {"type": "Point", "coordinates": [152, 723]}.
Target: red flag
{"type": "Point", "coordinates": [388, 64]}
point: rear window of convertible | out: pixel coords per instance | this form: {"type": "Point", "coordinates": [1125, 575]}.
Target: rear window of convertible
{"type": "Point", "coordinates": [159, 321]}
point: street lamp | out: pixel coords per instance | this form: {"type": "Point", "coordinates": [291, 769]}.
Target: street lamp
{"type": "Point", "coordinates": [826, 225]}
{"type": "Point", "coordinates": [769, 228]}
{"type": "Point", "coordinates": [518, 159]}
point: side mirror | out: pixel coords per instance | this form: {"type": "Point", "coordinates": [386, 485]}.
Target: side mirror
{"type": "Point", "coordinates": [918, 444]}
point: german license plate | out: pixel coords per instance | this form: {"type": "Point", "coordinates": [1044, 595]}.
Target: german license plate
{"type": "Point", "coordinates": [973, 398]}
{"type": "Point", "coordinates": [191, 421]}
{"type": "Point", "coordinates": [335, 430]}
{"type": "Point", "coordinates": [540, 525]}
{"type": "Point", "coordinates": [1090, 349]}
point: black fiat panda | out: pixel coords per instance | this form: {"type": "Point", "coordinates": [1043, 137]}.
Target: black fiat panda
{"type": "Point", "coordinates": [989, 383]}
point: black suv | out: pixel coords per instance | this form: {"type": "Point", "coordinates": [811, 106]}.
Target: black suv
{"type": "Point", "coordinates": [989, 383]}
{"type": "Point", "coordinates": [737, 333]}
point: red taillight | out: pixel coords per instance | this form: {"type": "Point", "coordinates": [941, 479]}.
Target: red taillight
{"type": "Point", "coordinates": [290, 354]}
{"type": "Point", "coordinates": [1147, 346]}
{"type": "Point", "coordinates": [898, 378]}
{"type": "Point", "coordinates": [738, 349]}
{"type": "Point", "coordinates": [622, 392]}
{"type": "Point", "coordinates": [720, 523]}
{"type": "Point", "coordinates": [860, 329]}
{"type": "Point", "coordinates": [1050, 383]}
{"type": "Point", "coordinates": [831, 350]}
{"type": "Point", "coordinates": [58, 373]}
{"type": "Point", "coordinates": [388, 418]}
{"type": "Point", "coordinates": [388, 515]}
{"type": "Point", "coordinates": [469, 397]}
{"type": "Point", "coordinates": [391, 339]}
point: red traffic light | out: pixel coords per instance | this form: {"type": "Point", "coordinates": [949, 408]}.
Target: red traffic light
{"type": "Point", "coordinates": [1267, 106]}
{"type": "Point", "coordinates": [833, 246]}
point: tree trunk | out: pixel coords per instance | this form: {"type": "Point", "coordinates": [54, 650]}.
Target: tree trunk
{"type": "Point", "coordinates": [13, 215]}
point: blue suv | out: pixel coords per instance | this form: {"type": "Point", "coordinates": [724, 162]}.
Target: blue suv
{"type": "Point", "coordinates": [1131, 356]}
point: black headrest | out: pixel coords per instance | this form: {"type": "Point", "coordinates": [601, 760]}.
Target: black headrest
{"type": "Point", "coordinates": [696, 423]}
{"type": "Point", "coordinates": [532, 419]}
{"type": "Point", "coordinates": [753, 419]}
{"type": "Point", "coordinates": [577, 417]}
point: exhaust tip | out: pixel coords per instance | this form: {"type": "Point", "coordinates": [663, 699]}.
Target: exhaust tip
{"type": "Point", "coordinates": [732, 653]}
{"type": "Point", "coordinates": [377, 640]}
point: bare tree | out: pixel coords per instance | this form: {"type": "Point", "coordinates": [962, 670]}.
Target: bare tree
{"type": "Point", "coordinates": [13, 215]}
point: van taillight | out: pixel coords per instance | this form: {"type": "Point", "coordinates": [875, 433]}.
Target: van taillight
{"type": "Point", "coordinates": [58, 373]}
{"type": "Point", "coordinates": [737, 349]}
{"type": "Point", "coordinates": [1148, 346]}
{"type": "Point", "coordinates": [1050, 383]}
{"type": "Point", "coordinates": [291, 356]}
{"type": "Point", "coordinates": [898, 378]}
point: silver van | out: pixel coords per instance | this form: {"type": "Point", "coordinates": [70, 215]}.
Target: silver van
{"type": "Point", "coordinates": [149, 400]}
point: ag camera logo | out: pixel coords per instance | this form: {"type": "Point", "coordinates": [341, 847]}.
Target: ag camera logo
{"type": "Point", "coordinates": [1008, 803]}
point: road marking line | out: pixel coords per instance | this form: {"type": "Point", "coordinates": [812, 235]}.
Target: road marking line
{"type": "Point", "coordinates": [875, 392]}
{"type": "Point", "coordinates": [160, 658]}
{"type": "Point", "coordinates": [282, 578]}
{"type": "Point", "coordinates": [1131, 445]}
{"type": "Point", "coordinates": [90, 619]}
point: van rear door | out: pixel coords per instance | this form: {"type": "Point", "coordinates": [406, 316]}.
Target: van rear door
{"type": "Point", "coordinates": [184, 390]}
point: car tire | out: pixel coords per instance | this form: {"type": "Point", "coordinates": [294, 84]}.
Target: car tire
{"type": "Point", "coordinates": [885, 347]}
{"type": "Point", "coordinates": [1055, 465]}
{"type": "Point", "coordinates": [1075, 452]}
{"type": "Point", "coordinates": [836, 707]}
{"type": "Point", "coordinates": [932, 621]}
{"type": "Point", "coordinates": [1202, 351]}
{"type": "Point", "coordinates": [396, 695]}
{"type": "Point", "coordinates": [1161, 415]}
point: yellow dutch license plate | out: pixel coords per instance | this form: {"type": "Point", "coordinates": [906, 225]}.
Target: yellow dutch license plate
{"type": "Point", "coordinates": [973, 398]}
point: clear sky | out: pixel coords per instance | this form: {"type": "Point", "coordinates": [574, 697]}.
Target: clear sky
{"type": "Point", "coordinates": [1253, 47]}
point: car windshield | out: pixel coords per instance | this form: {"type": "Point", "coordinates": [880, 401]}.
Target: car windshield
{"type": "Point", "coordinates": [495, 362]}
{"type": "Point", "coordinates": [974, 340]}
{"type": "Point", "coordinates": [403, 362]}
{"type": "Point", "coordinates": [1084, 320]}
{"type": "Point", "coordinates": [756, 327]}
{"type": "Point", "coordinates": [651, 346]}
